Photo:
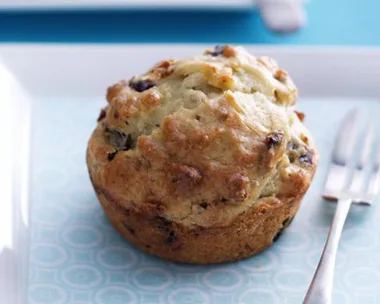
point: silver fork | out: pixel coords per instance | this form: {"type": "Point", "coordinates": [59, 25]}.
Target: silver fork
{"type": "Point", "coordinates": [357, 191]}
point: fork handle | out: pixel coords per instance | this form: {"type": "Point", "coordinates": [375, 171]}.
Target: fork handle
{"type": "Point", "coordinates": [320, 289]}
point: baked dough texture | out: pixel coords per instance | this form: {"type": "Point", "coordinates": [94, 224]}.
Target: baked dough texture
{"type": "Point", "coordinates": [202, 160]}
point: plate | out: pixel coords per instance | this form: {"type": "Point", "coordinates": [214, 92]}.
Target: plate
{"type": "Point", "coordinates": [76, 257]}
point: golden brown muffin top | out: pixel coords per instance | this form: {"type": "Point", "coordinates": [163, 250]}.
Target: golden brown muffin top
{"type": "Point", "coordinates": [204, 137]}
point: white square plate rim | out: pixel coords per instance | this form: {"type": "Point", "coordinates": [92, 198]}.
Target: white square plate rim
{"type": "Point", "coordinates": [322, 71]}
{"type": "Point", "coordinates": [344, 68]}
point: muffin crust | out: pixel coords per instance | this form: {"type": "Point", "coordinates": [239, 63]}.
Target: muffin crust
{"type": "Point", "coordinates": [204, 159]}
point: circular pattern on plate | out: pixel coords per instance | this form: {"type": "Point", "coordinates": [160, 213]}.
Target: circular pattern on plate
{"type": "Point", "coordinates": [82, 236]}
{"type": "Point", "coordinates": [265, 261]}
{"type": "Point", "coordinates": [101, 219]}
{"type": "Point", "coordinates": [81, 276]}
{"type": "Point", "coordinates": [182, 267]}
{"type": "Point", "coordinates": [293, 241]}
{"type": "Point", "coordinates": [152, 278]}
{"type": "Point", "coordinates": [47, 294]}
{"type": "Point", "coordinates": [359, 239]}
{"type": "Point", "coordinates": [291, 280]}
{"type": "Point", "coordinates": [258, 295]}
{"type": "Point", "coordinates": [362, 279]}
{"type": "Point", "coordinates": [117, 258]}
{"type": "Point", "coordinates": [188, 295]}
{"type": "Point", "coordinates": [81, 198]}
{"type": "Point", "coordinates": [50, 214]}
{"type": "Point", "coordinates": [223, 280]}
{"type": "Point", "coordinates": [48, 255]}
{"type": "Point", "coordinates": [115, 295]}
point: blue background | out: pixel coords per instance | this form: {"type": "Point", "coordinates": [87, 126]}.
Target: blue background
{"type": "Point", "coordinates": [343, 22]}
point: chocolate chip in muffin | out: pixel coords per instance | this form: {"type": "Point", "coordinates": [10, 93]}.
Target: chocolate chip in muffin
{"type": "Point", "coordinates": [274, 139]}
{"type": "Point", "coordinates": [203, 204]}
{"type": "Point", "coordinates": [141, 85]}
{"type": "Point", "coordinates": [162, 224]}
{"type": "Point", "coordinates": [102, 114]}
{"type": "Point", "coordinates": [218, 50]}
{"type": "Point", "coordinates": [292, 153]}
{"type": "Point", "coordinates": [120, 140]}
{"type": "Point", "coordinates": [285, 224]}
{"type": "Point", "coordinates": [288, 221]}
{"type": "Point", "coordinates": [129, 228]}
{"type": "Point", "coordinates": [166, 227]}
{"type": "Point", "coordinates": [111, 155]}
{"type": "Point", "coordinates": [172, 238]}
{"type": "Point", "coordinates": [129, 144]}
{"type": "Point", "coordinates": [278, 234]}
{"type": "Point", "coordinates": [307, 158]}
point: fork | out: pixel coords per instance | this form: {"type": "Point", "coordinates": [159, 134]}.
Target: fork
{"type": "Point", "coordinates": [345, 190]}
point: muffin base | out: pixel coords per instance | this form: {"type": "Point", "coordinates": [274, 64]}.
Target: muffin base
{"type": "Point", "coordinates": [250, 233]}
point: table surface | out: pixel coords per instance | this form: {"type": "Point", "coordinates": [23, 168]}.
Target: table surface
{"type": "Point", "coordinates": [338, 22]}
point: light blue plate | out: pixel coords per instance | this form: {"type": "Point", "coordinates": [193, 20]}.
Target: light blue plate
{"type": "Point", "coordinates": [76, 257]}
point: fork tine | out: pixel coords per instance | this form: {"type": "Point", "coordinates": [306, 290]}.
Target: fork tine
{"type": "Point", "coordinates": [367, 144]}
{"type": "Point", "coordinates": [343, 150]}
{"type": "Point", "coordinates": [346, 139]}
{"type": "Point", "coordinates": [359, 177]}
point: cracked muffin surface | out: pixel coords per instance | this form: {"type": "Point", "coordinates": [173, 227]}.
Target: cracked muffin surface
{"type": "Point", "coordinates": [203, 159]}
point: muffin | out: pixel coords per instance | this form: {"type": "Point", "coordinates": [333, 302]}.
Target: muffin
{"type": "Point", "coordinates": [202, 160]}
